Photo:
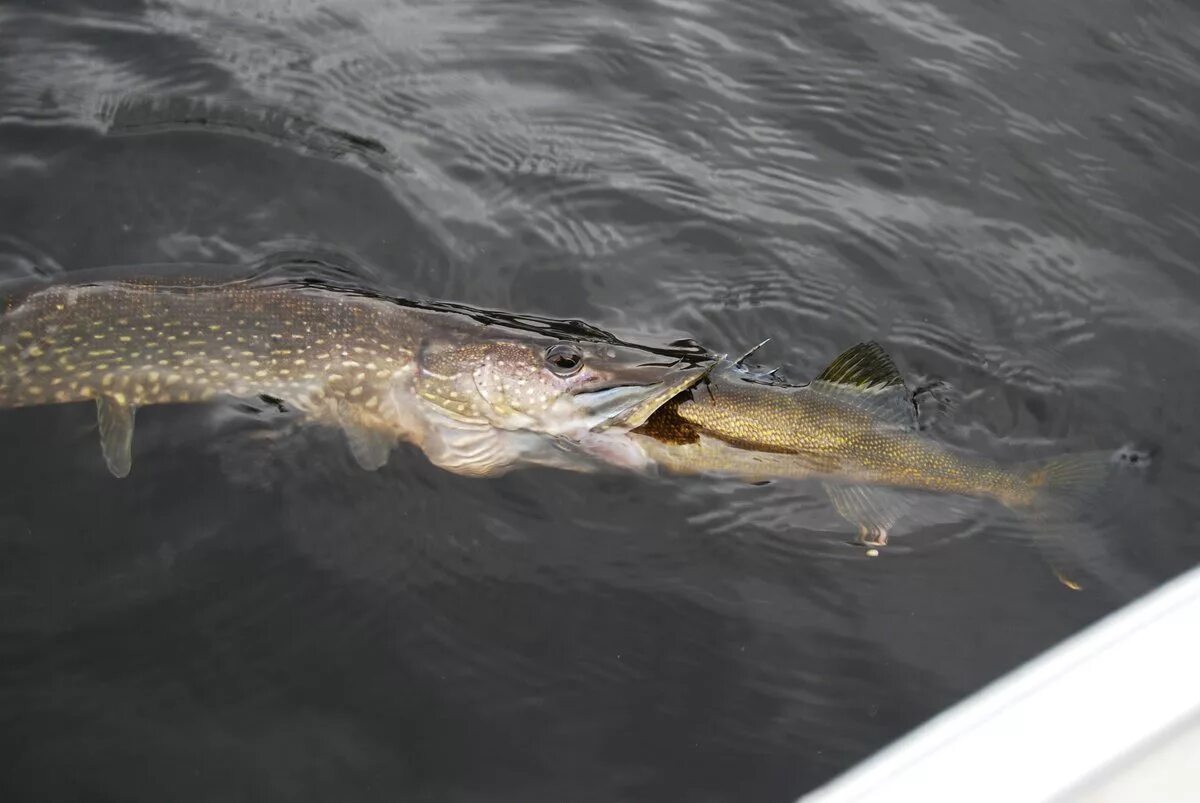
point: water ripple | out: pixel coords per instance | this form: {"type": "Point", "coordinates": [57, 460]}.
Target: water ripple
{"type": "Point", "coordinates": [1002, 194]}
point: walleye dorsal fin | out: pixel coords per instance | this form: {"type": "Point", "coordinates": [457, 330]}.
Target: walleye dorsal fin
{"type": "Point", "coordinates": [115, 419]}
{"type": "Point", "coordinates": [865, 366]}
{"type": "Point", "coordinates": [370, 448]}
{"type": "Point", "coordinates": [864, 376]}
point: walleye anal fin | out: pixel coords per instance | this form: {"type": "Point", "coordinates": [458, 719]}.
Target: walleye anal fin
{"type": "Point", "coordinates": [370, 448]}
{"type": "Point", "coordinates": [864, 376]}
{"type": "Point", "coordinates": [875, 510]}
{"type": "Point", "coordinates": [115, 419]}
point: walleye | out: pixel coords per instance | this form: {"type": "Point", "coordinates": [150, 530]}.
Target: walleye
{"type": "Point", "coordinates": [854, 427]}
{"type": "Point", "coordinates": [478, 392]}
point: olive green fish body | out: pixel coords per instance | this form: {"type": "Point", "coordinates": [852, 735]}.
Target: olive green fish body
{"type": "Point", "coordinates": [828, 433]}
{"type": "Point", "coordinates": [854, 428]}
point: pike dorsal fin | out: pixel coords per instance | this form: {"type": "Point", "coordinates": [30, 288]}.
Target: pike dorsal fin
{"type": "Point", "coordinates": [865, 377]}
{"type": "Point", "coordinates": [865, 366]}
{"type": "Point", "coordinates": [115, 419]}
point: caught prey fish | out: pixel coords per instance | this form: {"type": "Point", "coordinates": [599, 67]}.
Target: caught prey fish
{"type": "Point", "coordinates": [854, 428]}
{"type": "Point", "coordinates": [478, 393]}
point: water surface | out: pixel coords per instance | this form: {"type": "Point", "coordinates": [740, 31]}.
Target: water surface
{"type": "Point", "coordinates": [1003, 193]}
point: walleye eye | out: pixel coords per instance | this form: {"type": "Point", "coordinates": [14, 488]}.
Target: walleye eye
{"type": "Point", "coordinates": [564, 359]}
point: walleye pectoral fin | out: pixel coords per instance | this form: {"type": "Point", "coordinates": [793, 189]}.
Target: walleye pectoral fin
{"type": "Point", "coordinates": [115, 421]}
{"type": "Point", "coordinates": [874, 510]}
{"type": "Point", "coordinates": [865, 377]}
{"type": "Point", "coordinates": [369, 447]}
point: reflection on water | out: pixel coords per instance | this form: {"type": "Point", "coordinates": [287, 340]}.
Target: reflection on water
{"type": "Point", "coordinates": [1003, 194]}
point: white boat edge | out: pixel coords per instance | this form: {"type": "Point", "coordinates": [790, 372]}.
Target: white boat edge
{"type": "Point", "coordinates": [1111, 713]}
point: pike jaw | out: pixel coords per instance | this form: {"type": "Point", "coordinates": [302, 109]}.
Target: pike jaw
{"type": "Point", "coordinates": [537, 400]}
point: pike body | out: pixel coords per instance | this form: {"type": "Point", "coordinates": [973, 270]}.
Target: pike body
{"type": "Point", "coordinates": [477, 397]}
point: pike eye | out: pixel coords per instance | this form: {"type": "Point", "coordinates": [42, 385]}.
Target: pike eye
{"type": "Point", "coordinates": [564, 359]}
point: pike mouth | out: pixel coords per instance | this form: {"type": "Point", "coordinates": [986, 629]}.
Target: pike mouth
{"type": "Point", "coordinates": [629, 406]}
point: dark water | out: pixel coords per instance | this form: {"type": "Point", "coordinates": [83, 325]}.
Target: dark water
{"type": "Point", "coordinates": [1003, 193]}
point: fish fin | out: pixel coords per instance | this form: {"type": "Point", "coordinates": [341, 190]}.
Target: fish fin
{"type": "Point", "coordinates": [934, 404]}
{"type": "Point", "coordinates": [738, 363]}
{"type": "Point", "coordinates": [865, 366]}
{"type": "Point", "coordinates": [115, 421]}
{"type": "Point", "coordinates": [1066, 511]}
{"type": "Point", "coordinates": [875, 510]}
{"type": "Point", "coordinates": [865, 377]}
{"type": "Point", "coordinates": [370, 448]}
{"type": "Point", "coordinates": [1065, 483]}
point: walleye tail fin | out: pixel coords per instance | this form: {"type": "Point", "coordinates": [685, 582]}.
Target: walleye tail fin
{"type": "Point", "coordinates": [1067, 509]}
{"type": "Point", "coordinates": [1064, 485]}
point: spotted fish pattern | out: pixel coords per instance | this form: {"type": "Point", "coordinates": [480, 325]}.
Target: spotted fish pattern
{"type": "Point", "coordinates": [476, 398]}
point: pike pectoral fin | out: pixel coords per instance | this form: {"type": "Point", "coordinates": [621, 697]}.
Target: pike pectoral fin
{"type": "Point", "coordinates": [116, 434]}
{"type": "Point", "coordinates": [865, 377]}
{"type": "Point", "coordinates": [874, 510]}
{"type": "Point", "coordinates": [369, 447]}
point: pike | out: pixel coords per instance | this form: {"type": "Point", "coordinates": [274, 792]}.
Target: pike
{"type": "Point", "coordinates": [854, 427]}
{"type": "Point", "coordinates": [479, 393]}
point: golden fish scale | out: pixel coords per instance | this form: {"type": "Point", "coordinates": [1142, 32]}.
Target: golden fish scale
{"type": "Point", "coordinates": [838, 438]}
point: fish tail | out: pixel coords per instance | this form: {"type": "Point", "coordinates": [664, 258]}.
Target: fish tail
{"type": "Point", "coordinates": [1065, 484]}
{"type": "Point", "coordinates": [1065, 498]}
